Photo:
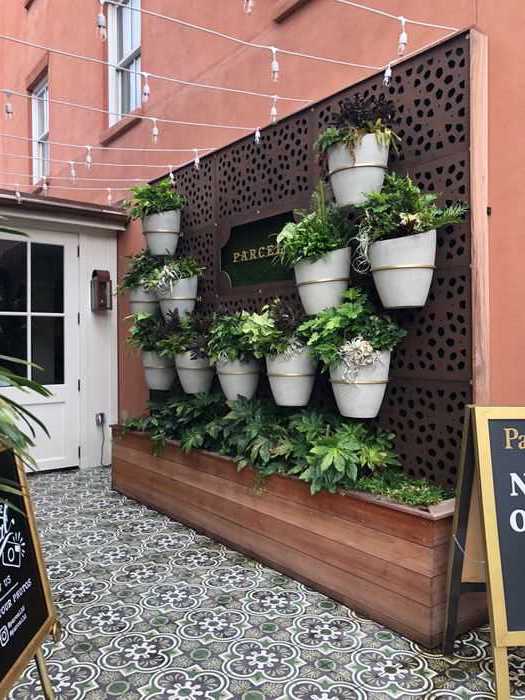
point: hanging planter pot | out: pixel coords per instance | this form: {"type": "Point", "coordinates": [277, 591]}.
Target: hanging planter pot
{"type": "Point", "coordinates": [162, 232]}
{"type": "Point", "coordinates": [180, 296]}
{"type": "Point", "coordinates": [361, 394]}
{"type": "Point", "coordinates": [195, 375]}
{"type": "Point", "coordinates": [159, 371]}
{"type": "Point", "coordinates": [291, 377]}
{"type": "Point", "coordinates": [354, 175]}
{"type": "Point", "coordinates": [143, 301]}
{"type": "Point", "coordinates": [322, 283]}
{"type": "Point", "coordinates": [238, 378]}
{"type": "Point", "coordinates": [402, 269]}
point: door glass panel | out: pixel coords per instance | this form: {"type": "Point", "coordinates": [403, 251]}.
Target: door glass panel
{"type": "Point", "coordinates": [47, 278]}
{"type": "Point", "coordinates": [13, 342]}
{"type": "Point", "coordinates": [13, 275]}
{"type": "Point", "coordinates": [47, 347]}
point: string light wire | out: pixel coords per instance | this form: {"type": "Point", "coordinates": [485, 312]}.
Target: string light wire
{"type": "Point", "coordinates": [376, 11]}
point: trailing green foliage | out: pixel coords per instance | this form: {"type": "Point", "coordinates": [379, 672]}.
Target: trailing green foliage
{"type": "Point", "coordinates": [141, 267]}
{"type": "Point", "coordinates": [357, 117]}
{"type": "Point", "coordinates": [188, 334]}
{"type": "Point", "coordinates": [275, 330]}
{"type": "Point", "coordinates": [321, 448]}
{"type": "Point", "coordinates": [171, 271]}
{"type": "Point", "coordinates": [153, 199]}
{"type": "Point", "coordinates": [329, 330]}
{"type": "Point", "coordinates": [147, 332]}
{"type": "Point", "coordinates": [228, 338]}
{"type": "Point", "coordinates": [315, 234]}
{"type": "Point", "coordinates": [401, 208]}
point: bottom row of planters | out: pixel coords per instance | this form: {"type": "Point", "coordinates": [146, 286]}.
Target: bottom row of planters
{"type": "Point", "coordinates": [351, 341]}
{"type": "Point", "coordinates": [318, 447]}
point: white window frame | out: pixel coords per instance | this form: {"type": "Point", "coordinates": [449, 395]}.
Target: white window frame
{"type": "Point", "coordinates": [130, 58]}
{"type": "Point", "coordinates": [40, 131]}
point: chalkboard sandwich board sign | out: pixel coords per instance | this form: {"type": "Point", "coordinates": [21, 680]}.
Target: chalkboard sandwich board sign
{"type": "Point", "coordinates": [27, 612]}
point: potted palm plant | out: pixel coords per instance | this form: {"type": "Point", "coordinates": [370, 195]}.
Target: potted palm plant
{"type": "Point", "coordinates": [317, 247]}
{"type": "Point", "coordinates": [159, 206]}
{"type": "Point", "coordinates": [397, 239]}
{"type": "Point", "coordinates": [356, 145]}
{"type": "Point", "coordinates": [274, 335]}
{"type": "Point", "coordinates": [141, 266]}
{"type": "Point", "coordinates": [229, 347]}
{"type": "Point", "coordinates": [175, 285]}
{"type": "Point", "coordinates": [145, 334]}
{"type": "Point", "coordinates": [188, 344]}
{"type": "Point", "coordinates": [354, 343]}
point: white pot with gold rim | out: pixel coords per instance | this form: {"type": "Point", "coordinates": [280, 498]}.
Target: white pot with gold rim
{"type": "Point", "coordinates": [359, 393]}
{"type": "Point", "coordinates": [321, 283]}
{"type": "Point", "coordinates": [291, 377]}
{"type": "Point", "coordinates": [180, 296]}
{"type": "Point", "coordinates": [355, 174]}
{"type": "Point", "coordinates": [238, 378]}
{"type": "Point", "coordinates": [195, 374]}
{"type": "Point", "coordinates": [159, 371]}
{"type": "Point", "coordinates": [402, 269]}
{"type": "Point", "coordinates": [161, 232]}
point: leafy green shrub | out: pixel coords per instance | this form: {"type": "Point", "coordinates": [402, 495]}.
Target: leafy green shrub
{"type": "Point", "coordinates": [331, 331]}
{"type": "Point", "coordinates": [141, 267]}
{"type": "Point", "coordinates": [147, 332]}
{"type": "Point", "coordinates": [315, 234]}
{"type": "Point", "coordinates": [357, 117]}
{"type": "Point", "coordinates": [171, 271]}
{"type": "Point", "coordinates": [153, 199]}
{"type": "Point", "coordinates": [274, 330]}
{"type": "Point", "coordinates": [228, 338]}
{"type": "Point", "coordinates": [188, 334]}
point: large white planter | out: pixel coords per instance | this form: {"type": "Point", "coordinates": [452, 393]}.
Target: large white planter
{"type": "Point", "coordinates": [143, 302]}
{"type": "Point", "coordinates": [291, 378]}
{"type": "Point", "coordinates": [195, 376]}
{"type": "Point", "coordinates": [238, 378]}
{"type": "Point", "coordinates": [159, 371]}
{"type": "Point", "coordinates": [402, 269]}
{"type": "Point", "coordinates": [162, 232]}
{"type": "Point", "coordinates": [361, 397]}
{"type": "Point", "coordinates": [352, 177]}
{"type": "Point", "coordinates": [322, 283]}
{"type": "Point", "coordinates": [179, 296]}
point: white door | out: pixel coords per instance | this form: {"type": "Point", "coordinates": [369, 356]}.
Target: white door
{"type": "Point", "coordinates": [39, 323]}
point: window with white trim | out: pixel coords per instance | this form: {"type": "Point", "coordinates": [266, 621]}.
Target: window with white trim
{"type": "Point", "coordinates": [125, 84]}
{"type": "Point", "coordinates": [40, 129]}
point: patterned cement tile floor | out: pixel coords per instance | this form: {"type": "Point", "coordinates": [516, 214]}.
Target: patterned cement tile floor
{"type": "Point", "coordinates": [153, 610]}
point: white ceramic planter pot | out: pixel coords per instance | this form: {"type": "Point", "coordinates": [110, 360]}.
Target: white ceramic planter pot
{"type": "Point", "coordinates": [361, 397]}
{"type": "Point", "coordinates": [159, 371]}
{"type": "Point", "coordinates": [322, 283]}
{"type": "Point", "coordinates": [402, 269]}
{"type": "Point", "coordinates": [179, 296]}
{"type": "Point", "coordinates": [195, 376]}
{"type": "Point", "coordinates": [162, 232]}
{"type": "Point", "coordinates": [142, 301]}
{"type": "Point", "coordinates": [238, 378]}
{"type": "Point", "coordinates": [352, 177]}
{"type": "Point", "coordinates": [291, 378]}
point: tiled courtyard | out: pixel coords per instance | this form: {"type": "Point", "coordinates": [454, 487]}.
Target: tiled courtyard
{"type": "Point", "coordinates": [151, 609]}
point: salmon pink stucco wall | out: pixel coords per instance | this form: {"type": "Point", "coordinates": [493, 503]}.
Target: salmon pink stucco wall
{"type": "Point", "coordinates": [322, 27]}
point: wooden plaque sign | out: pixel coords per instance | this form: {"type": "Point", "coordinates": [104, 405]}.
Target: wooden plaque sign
{"type": "Point", "coordinates": [495, 517]}
{"type": "Point", "coordinates": [27, 613]}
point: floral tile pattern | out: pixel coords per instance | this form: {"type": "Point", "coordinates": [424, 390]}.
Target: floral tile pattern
{"type": "Point", "coordinates": [152, 610]}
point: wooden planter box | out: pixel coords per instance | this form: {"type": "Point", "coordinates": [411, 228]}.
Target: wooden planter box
{"type": "Point", "coordinates": [385, 561]}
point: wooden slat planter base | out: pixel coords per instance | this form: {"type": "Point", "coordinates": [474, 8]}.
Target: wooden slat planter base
{"type": "Point", "coordinates": [386, 561]}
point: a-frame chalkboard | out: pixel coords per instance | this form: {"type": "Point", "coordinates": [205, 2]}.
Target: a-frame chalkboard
{"type": "Point", "coordinates": [27, 612]}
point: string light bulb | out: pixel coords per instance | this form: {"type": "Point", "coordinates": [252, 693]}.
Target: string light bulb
{"type": "Point", "coordinates": [18, 195]}
{"type": "Point", "coordinates": [388, 75]}
{"type": "Point", "coordinates": [89, 157]}
{"type": "Point", "coordinates": [273, 111]}
{"type": "Point", "coordinates": [102, 30]}
{"type": "Point", "coordinates": [403, 37]}
{"type": "Point", "coordinates": [146, 90]}
{"type": "Point", "coordinates": [110, 196]}
{"type": "Point", "coordinates": [275, 65]}
{"type": "Point", "coordinates": [155, 133]}
{"type": "Point", "coordinates": [72, 170]}
{"type": "Point", "coordinates": [45, 187]}
{"type": "Point", "coordinates": [257, 137]}
{"type": "Point", "coordinates": [8, 106]}
{"type": "Point", "coordinates": [172, 176]}
{"type": "Point", "coordinates": [197, 160]}
{"type": "Point", "coordinates": [248, 6]}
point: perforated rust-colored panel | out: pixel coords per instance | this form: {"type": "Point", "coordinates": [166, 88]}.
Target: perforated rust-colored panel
{"type": "Point", "coordinates": [431, 371]}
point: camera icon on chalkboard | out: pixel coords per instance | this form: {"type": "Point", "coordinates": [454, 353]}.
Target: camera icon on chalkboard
{"type": "Point", "coordinates": [12, 554]}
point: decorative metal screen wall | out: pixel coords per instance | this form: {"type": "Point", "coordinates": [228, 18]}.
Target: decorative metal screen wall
{"type": "Point", "coordinates": [431, 371]}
